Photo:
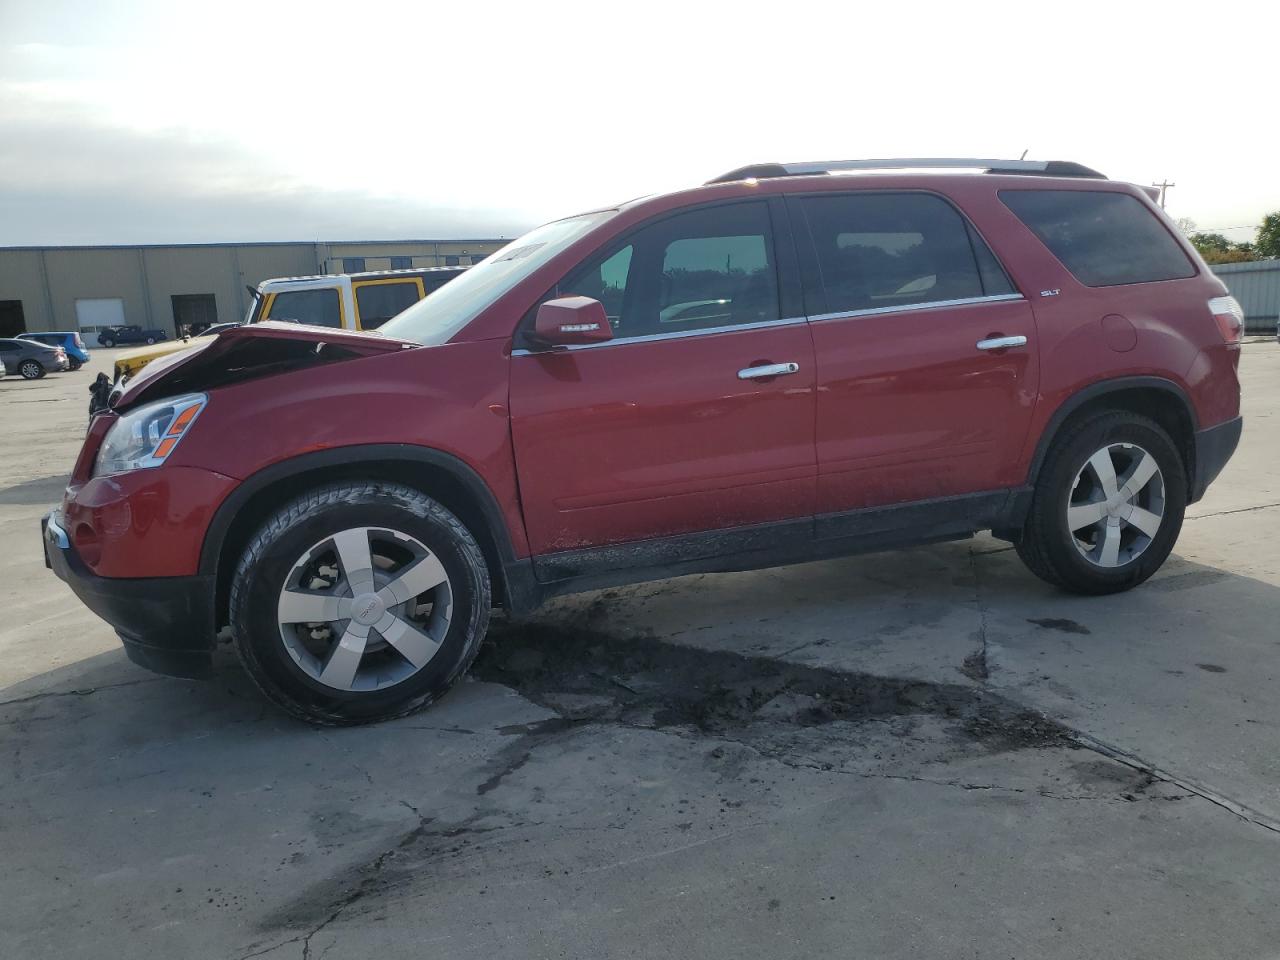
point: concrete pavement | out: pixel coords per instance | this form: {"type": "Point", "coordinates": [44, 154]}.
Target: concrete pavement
{"type": "Point", "coordinates": [920, 753]}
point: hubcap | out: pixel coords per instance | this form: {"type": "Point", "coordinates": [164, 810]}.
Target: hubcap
{"type": "Point", "coordinates": [365, 609]}
{"type": "Point", "coordinates": [1116, 505]}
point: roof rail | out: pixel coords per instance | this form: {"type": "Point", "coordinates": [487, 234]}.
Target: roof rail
{"type": "Point", "coordinates": [1047, 168]}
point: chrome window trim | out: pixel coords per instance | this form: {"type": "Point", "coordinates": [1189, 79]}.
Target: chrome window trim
{"type": "Point", "coordinates": [674, 335]}
{"type": "Point", "coordinates": [907, 307]}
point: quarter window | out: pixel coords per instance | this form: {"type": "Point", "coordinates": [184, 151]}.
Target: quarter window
{"type": "Point", "coordinates": [881, 250]}
{"type": "Point", "coordinates": [1104, 239]}
{"type": "Point", "coordinates": [699, 270]}
{"type": "Point", "coordinates": [379, 302]}
{"type": "Point", "coordinates": [319, 308]}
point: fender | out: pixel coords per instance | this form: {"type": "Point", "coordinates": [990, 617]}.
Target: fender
{"type": "Point", "coordinates": [223, 517]}
{"type": "Point", "coordinates": [1100, 389]}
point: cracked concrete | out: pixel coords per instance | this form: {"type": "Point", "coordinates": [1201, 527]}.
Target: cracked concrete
{"type": "Point", "coordinates": [921, 753]}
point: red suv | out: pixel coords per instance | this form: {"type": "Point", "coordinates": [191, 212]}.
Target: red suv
{"type": "Point", "coordinates": [787, 363]}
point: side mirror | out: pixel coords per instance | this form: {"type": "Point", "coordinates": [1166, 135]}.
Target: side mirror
{"type": "Point", "coordinates": [571, 320]}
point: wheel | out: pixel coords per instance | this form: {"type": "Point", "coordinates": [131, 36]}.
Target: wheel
{"type": "Point", "coordinates": [150, 341]}
{"type": "Point", "coordinates": [31, 370]}
{"type": "Point", "coordinates": [1107, 506]}
{"type": "Point", "coordinates": [74, 364]}
{"type": "Point", "coordinates": [108, 342]}
{"type": "Point", "coordinates": [359, 602]}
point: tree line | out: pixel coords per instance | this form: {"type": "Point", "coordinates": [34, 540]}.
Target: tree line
{"type": "Point", "coordinates": [1215, 248]}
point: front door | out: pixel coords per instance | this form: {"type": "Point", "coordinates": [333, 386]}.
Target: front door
{"type": "Point", "coordinates": [663, 430]}
{"type": "Point", "coordinates": [927, 363]}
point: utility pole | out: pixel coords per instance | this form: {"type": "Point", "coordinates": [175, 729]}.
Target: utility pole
{"type": "Point", "coordinates": [1163, 185]}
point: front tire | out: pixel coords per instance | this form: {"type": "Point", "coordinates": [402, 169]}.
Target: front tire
{"type": "Point", "coordinates": [359, 602]}
{"type": "Point", "coordinates": [1107, 507]}
{"type": "Point", "coordinates": [31, 370]}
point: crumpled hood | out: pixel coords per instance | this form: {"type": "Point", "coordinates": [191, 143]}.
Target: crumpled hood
{"type": "Point", "coordinates": [248, 353]}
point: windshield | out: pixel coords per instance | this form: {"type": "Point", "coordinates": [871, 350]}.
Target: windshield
{"type": "Point", "coordinates": [447, 310]}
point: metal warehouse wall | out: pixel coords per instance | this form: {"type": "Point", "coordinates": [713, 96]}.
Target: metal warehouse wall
{"type": "Point", "coordinates": [48, 281]}
{"type": "Point", "coordinates": [1257, 286]}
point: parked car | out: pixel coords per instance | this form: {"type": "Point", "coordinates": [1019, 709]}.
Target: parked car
{"type": "Point", "coordinates": [131, 333]}
{"type": "Point", "coordinates": [69, 340]}
{"type": "Point", "coordinates": [32, 360]}
{"type": "Point", "coordinates": [782, 365]}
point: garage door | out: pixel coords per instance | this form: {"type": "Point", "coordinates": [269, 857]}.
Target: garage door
{"type": "Point", "coordinates": [93, 315]}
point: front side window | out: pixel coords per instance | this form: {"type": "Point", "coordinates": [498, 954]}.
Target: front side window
{"type": "Point", "coordinates": [319, 308]}
{"type": "Point", "coordinates": [887, 250]}
{"type": "Point", "coordinates": [699, 270]}
{"type": "Point", "coordinates": [379, 302]}
{"type": "Point", "coordinates": [442, 315]}
{"type": "Point", "coordinates": [604, 280]}
{"type": "Point", "coordinates": [1104, 239]}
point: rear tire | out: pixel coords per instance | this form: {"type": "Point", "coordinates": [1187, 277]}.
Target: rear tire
{"type": "Point", "coordinates": [150, 341]}
{"type": "Point", "coordinates": [31, 370]}
{"type": "Point", "coordinates": [338, 666]}
{"type": "Point", "coordinates": [108, 342]}
{"type": "Point", "coordinates": [1125, 524]}
{"type": "Point", "coordinates": [74, 364]}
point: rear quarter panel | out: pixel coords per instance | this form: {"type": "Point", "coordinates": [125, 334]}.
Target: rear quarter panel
{"type": "Point", "coordinates": [1166, 330]}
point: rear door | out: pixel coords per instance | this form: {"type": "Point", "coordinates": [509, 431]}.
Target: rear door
{"type": "Point", "coordinates": [927, 363]}
{"type": "Point", "coordinates": [663, 430]}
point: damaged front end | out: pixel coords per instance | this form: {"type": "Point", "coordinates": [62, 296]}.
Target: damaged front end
{"type": "Point", "coordinates": [245, 353]}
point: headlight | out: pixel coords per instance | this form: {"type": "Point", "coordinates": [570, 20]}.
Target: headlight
{"type": "Point", "coordinates": [145, 437]}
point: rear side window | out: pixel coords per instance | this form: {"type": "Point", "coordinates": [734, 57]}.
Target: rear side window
{"type": "Point", "coordinates": [379, 302]}
{"type": "Point", "coordinates": [1104, 239]}
{"type": "Point", "coordinates": [316, 307]}
{"type": "Point", "coordinates": [886, 250]}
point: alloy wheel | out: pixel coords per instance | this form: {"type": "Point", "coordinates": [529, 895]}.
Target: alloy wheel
{"type": "Point", "coordinates": [365, 609]}
{"type": "Point", "coordinates": [1116, 505]}
{"type": "Point", "coordinates": [30, 370]}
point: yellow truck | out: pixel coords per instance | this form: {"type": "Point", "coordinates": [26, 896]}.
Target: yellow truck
{"type": "Point", "coordinates": [349, 301]}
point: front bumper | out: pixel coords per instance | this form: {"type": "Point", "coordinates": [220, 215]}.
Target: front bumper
{"type": "Point", "coordinates": [165, 623]}
{"type": "Point", "coordinates": [1214, 448]}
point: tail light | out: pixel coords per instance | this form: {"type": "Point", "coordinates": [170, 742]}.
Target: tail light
{"type": "Point", "coordinates": [1229, 317]}
{"type": "Point", "coordinates": [79, 343]}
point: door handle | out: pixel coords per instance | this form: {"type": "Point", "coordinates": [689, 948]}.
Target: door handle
{"type": "Point", "coordinates": [1001, 343]}
{"type": "Point", "coordinates": [768, 370]}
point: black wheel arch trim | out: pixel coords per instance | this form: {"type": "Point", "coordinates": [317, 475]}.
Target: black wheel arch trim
{"type": "Point", "coordinates": [405, 453]}
{"type": "Point", "coordinates": [1100, 389]}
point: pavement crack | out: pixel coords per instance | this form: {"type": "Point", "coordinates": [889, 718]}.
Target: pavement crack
{"type": "Point", "coordinates": [1134, 762]}
{"type": "Point", "coordinates": [80, 692]}
{"type": "Point", "coordinates": [1224, 513]}
{"type": "Point", "coordinates": [975, 665]}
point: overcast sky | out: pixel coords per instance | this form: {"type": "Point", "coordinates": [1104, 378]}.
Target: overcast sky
{"type": "Point", "coordinates": [139, 122]}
